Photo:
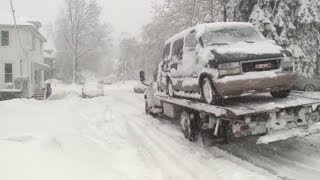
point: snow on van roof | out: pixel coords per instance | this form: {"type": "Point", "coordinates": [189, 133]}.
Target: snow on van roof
{"type": "Point", "coordinates": [202, 28]}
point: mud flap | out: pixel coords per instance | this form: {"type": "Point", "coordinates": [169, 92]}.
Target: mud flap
{"type": "Point", "coordinates": [209, 138]}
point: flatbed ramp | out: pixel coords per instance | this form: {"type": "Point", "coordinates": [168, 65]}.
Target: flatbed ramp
{"type": "Point", "coordinates": [248, 105]}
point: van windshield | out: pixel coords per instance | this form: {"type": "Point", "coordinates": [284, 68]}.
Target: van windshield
{"type": "Point", "coordinates": [231, 35]}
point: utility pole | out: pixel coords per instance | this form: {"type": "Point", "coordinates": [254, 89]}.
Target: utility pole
{"type": "Point", "coordinates": [19, 39]}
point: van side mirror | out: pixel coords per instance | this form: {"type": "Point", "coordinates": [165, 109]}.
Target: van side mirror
{"type": "Point", "coordinates": [142, 76]}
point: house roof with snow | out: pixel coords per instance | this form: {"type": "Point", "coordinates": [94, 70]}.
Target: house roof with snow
{"type": "Point", "coordinates": [6, 20]}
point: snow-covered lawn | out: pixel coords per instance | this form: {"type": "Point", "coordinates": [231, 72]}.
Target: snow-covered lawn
{"type": "Point", "coordinates": [110, 137]}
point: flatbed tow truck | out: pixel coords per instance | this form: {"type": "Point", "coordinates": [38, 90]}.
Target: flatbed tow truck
{"type": "Point", "coordinates": [238, 117]}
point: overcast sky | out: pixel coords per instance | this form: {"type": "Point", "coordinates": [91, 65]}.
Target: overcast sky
{"type": "Point", "coordinates": [124, 15]}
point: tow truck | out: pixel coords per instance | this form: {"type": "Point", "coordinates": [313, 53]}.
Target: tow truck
{"type": "Point", "coordinates": [238, 117]}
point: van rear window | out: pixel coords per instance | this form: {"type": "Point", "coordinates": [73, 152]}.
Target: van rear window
{"type": "Point", "coordinates": [177, 48]}
{"type": "Point", "coordinates": [166, 51]}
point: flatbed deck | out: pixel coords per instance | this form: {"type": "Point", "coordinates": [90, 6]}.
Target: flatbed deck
{"type": "Point", "coordinates": [248, 105]}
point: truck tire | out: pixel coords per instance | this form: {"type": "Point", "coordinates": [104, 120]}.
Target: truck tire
{"type": "Point", "coordinates": [281, 94]}
{"type": "Point", "coordinates": [189, 126]}
{"type": "Point", "coordinates": [208, 93]}
{"type": "Point", "coordinates": [309, 87]}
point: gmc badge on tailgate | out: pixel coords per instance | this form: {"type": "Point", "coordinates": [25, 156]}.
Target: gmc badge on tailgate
{"type": "Point", "coordinates": [267, 66]}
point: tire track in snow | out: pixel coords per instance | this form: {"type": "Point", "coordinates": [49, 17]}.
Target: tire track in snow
{"type": "Point", "coordinates": [161, 147]}
{"type": "Point", "coordinates": [290, 158]}
{"type": "Point", "coordinates": [160, 144]}
{"type": "Point", "coordinates": [169, 167]}
{"type": "Point", "coordinates": [154, 134]}
{"type": "Point", "coordinates": [285, 158]}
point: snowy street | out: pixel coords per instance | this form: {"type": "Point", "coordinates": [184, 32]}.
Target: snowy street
{"type": "Point", "coordinates": [159, 90]}
{"type": "Point", "coordinates": [110, 137]}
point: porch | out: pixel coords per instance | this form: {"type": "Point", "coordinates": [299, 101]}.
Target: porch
{"type": "Point", "coordinates": [38, 88]}
{"type": "Point", "coordinates": [30, 86]}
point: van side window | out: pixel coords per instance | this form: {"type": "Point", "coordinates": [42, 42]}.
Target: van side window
{"type": "Point", "coordinates": [177, 48]}
{"type": "Point", "coordinates": [166, 51]}
{"type": "Point", "coordinates": [191, 39]}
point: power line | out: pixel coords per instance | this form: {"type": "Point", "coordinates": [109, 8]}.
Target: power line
{"type": "Point", "coordinates": [89, 50]}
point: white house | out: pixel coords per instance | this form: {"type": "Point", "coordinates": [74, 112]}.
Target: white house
{"type": "Point", "coordinates": [21, 56]}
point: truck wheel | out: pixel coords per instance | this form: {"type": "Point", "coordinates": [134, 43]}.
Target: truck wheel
{"type": "Point", "coordinates": [209, 140]}
{"type": "Point", "coordinates": [189, 126]}
{"type": "Point", "coordinates": [208, 93]}
{"type": "Point", "coordinates": [281, 94]}
{"type": "Point", "coordinates": [170, 89]}
{"type": "Point", "coordinates": [309, 87]}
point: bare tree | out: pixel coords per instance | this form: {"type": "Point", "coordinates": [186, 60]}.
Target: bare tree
{"type": "Point", "coordinates": [81, 31]}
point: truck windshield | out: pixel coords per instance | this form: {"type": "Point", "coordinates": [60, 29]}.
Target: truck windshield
{"type": "Point", "coordinates": [231, 35]}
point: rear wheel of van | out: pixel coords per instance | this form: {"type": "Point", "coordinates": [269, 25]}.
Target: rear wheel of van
{"type": "Point", "coordinates": [170, 88]}
{"type": "Point", "coordinates": [309, 87]}
{"type": "Point", "coordinates": [281, 94]}
{"type": "Point", "coordinates": [208, 93]}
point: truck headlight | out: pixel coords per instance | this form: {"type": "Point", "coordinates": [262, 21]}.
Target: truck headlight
{"type": "Point", "coordinates": [288, 64]}
{"type": "Point", "coordinates": [229, 69]}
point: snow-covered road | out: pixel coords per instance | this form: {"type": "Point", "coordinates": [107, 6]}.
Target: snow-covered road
{"type": "Point", "coordinates": [108, 137]}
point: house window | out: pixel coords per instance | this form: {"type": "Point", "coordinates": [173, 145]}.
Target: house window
{"type": "Point", "coordinates": [4, 38]}
{"type": "Point", "coordinates": [8, 73]}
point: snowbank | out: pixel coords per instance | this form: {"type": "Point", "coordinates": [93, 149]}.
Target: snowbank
{"type": "Point", "coordinates": [62, 90]}
{"type": "Point", "coordinates": [103, 138]}
{"type": "Point", "coordinates": [92, 89]}
{"type": "Point", "coordinates": [140, 88]}
{"type": "Point", "coordinates": [126, 86]}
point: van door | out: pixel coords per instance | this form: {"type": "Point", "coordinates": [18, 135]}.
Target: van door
{"type": "Point", "coordinates": [190, 65]}
{"type": "Point", "coordinates": [176, 63]}
{"type": "Point", "coordinates": [164, 67]}
{"type": "Point", "coordinates": [177, 54]}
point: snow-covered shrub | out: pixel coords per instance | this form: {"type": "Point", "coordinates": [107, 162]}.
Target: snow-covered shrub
{"type": "Point", "coordinates": [293, 24]}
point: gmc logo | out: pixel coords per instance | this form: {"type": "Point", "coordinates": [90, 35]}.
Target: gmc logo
{"type": "Point", "coordinates": [264, 66]}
